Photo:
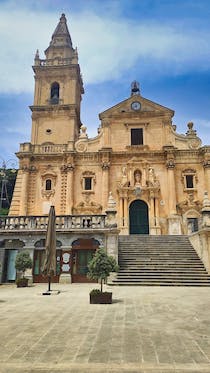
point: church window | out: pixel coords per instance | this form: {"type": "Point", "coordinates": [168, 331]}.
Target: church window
{"type": "Point", "coordinates": [189, 178]}
{"type": "Point", "coordinates": [189, 181]}
{"type": "Point", "coordinates": [88, 180]}
{"type": "Point", "coordinates": [137, 136]}
{"type": "Point", "coordinates": [88, 183]}
{"type": "Point", "coordinates": [48, 184]}
{"type": "Point", "coordinates": [54, 93]}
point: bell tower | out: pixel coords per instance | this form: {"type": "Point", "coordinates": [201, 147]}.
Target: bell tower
{"type": "Point", "coordinates": [42, 178]}
{"type": "Point", "coordinates": [58, 91]}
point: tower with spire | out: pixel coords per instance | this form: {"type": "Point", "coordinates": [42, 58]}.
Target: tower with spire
{"type": "Point", "coordinates": [58, 91]}
{"type": "Point", "coordinates": [56, 123]}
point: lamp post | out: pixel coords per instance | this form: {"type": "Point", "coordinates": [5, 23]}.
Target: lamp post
{"type": "Point", "coordinates": [4, 198]}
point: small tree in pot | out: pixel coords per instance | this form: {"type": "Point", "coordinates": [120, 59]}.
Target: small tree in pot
{"type": "Point", "coordinates": [99, 268]}
{"type": "Point", "coordinates": [22, 263]}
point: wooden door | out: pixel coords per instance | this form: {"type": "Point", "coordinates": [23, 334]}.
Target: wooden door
{"type": "Point", "coordinates": [82, 252]}
{"type": "Point", "coordinates": [138, 216]}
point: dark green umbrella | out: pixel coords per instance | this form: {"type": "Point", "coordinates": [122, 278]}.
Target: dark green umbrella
{"type": "Point", "coordinates": [49, 268]}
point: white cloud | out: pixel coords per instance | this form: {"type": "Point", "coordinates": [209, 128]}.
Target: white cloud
{"type": "Point", "coordinates": [107, 47]}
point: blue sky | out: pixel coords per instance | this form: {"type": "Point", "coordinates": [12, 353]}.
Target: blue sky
{"type": "Point", "coordinates": [163, 44]}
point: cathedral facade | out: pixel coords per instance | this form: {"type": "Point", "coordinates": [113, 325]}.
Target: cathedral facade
{"type": "Point", "coordinates": [138, 173]}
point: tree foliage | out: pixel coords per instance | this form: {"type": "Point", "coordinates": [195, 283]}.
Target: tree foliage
{"type": "Point", "coordinates": [23, 261]}
{"type": "Point", "coordinates": [101, 265]}
{"type": "Point", "coordinates": [8, 177]}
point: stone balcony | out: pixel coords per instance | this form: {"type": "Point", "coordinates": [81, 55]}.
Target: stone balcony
{"type": "Point", "coordinates": [43, 149]}
{"type": "Point", "coordinates": [63, 223]}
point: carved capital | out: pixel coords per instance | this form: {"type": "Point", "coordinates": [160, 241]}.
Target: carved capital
{"type": "Point", "coordinates": [206, 163]}
{"type": "Point", "coordinates": [105, 166]}
{"type": "Point", "coordinates": [25, 169]}
{"type": "Point", "coordinates": [170, 164]}
{"type": "Point", "coordinates": [69, 167]}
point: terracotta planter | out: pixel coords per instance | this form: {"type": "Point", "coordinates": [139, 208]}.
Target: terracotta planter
{"type": "Point", "coordinates": [101, 298]}
{"type": "Point", "coordinates": [22, 282]}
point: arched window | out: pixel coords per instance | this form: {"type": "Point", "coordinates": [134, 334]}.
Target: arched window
{"type": "Point", "coordinates": [48, 184]}
{"type": "Point", "coordinates": [54, 93]}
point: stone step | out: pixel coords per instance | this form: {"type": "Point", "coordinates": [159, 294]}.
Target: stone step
{"type": "Point", "coordinates": [159, 283]}
{"type": "Point", "coordinates": [159, 260]}
{"type": "Point", "coordinates": [153, 275]}
{"type": "Point", "coordinates": [157, 255]}
{"type": "Point", "coordinates": [161, 270]}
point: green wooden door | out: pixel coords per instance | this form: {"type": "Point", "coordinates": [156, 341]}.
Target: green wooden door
{"type": "Point", "coordinates": [138, 217]}
{"type": "Point", "coordinates": [11, 271]}
{"type": "Point", "coordinates": [81, 259]}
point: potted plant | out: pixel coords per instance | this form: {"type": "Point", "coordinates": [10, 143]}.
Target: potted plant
{"type": "Point", "coordinates": [99, 268]}
{"type": "Point", "coordinates": [23, 261]}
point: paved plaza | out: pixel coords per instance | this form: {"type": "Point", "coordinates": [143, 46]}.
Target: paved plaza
{"type": "Point", "coordinates": [145, 330]}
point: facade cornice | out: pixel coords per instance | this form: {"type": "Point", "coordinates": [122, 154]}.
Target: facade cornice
{"type": "Point", "coordinates": [35, 108]}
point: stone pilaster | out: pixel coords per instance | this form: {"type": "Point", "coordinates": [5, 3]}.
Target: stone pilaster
{"type": "Point", "coordinates": [206, 165]}
{"type": "Point", "coordinates": [171, 187]}
{"type": "Point", "coordinates": [174, 222]}
{"type": "Point", "coordinates": [24, 191]}
{"type": "Point", "coordinates": [105, 183]}
{"type": "Point", "coordinates": [70, 189]}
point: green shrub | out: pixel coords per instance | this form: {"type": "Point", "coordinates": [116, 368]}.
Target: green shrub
{"type": "Point", "coordinates": [23, 261]}
{"type": "Point", "coordinates": [100, 266]}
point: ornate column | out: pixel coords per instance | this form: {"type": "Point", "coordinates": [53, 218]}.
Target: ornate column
{"type": "Point", "coordinates": [121, 216]}
{"type": "Point", "coordinates": [24, 191]}
{"type": "Point", "coordinates": [105, 183]}
{"type": "Point", "coordinates": [206, 165]}
{"type": "Point", "coordinates": [157, 215]}
{"type": "Point", "coordinates": [152, 213]}
{"type": "Point", "coordinates": [125, 211]}
{"type": "Point", "coordinates": [174, 221]}
{"type": "Point", "coordinates": [170, 164]}
{"type": "Point", "coordinates": [69, 188]}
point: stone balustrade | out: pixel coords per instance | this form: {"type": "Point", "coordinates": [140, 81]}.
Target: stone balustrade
{"type": "Point", "coordinates": [43, 149]}
{"type": "Point", "coordinates": [63, 222]}
{"type": "Point", "coordinates": [54, 61]}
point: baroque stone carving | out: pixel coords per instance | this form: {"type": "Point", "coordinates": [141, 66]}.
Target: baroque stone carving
{"type": "Point", "coordinates": [170, 163]}
{"type": "Point", "coordinates": [67, 167]}
{"type": "Point", "coordinates": [81, 146]}
{"type": "Point", "coordinates": [48, 193]}
{"type": "Point", "coordinates": [189, 203]}
{"type": "Point", "coordinates": [87, 207]}
{"type": "Point", "coordinates": [105, 165]}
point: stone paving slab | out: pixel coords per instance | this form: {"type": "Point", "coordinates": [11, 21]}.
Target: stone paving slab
{"type": "Point", "coordinates": [145, 330]}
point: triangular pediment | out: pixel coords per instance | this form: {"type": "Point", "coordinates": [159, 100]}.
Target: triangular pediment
{"type": "Point", "coordinates": [136, 104]}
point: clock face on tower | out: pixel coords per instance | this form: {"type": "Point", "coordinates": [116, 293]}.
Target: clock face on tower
{"type": "Point", "coordinates": [135, 105]}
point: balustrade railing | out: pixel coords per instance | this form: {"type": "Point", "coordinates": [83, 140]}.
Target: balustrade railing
{"type": "Point", "coordinates": [55, 61]}
{"type": "Point", "coordinates": [63, 222]}
{"type": "Point", "coordinates": [43, 149]}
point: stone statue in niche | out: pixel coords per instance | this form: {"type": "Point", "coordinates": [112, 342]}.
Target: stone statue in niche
{"type": "Point", "coordinates": [137, 178]}
{"type": "Point", "coordinates": [151, 178]}
{"type": "Point", "coordinates": [124, 178]}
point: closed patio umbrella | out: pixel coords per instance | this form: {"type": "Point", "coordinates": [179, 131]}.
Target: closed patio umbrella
{"type": "Point", "coordinates": [49, 268]}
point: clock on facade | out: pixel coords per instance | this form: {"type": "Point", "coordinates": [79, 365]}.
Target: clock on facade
{"type": "Point", "coordinates": [135, 105]}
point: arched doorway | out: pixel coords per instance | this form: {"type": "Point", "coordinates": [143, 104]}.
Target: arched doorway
{"type": "Point", "coordinates": [138, 217]}
{"type": "Point", "coordinates": [83, 250]}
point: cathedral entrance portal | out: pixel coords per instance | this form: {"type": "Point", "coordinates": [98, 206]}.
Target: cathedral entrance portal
{"type": "Point", "coordinates": [138, 217]}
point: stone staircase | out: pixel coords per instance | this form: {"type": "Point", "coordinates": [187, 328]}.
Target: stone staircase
{"type": "Point", "coordinates": [159, 260]}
